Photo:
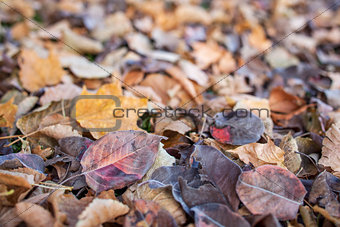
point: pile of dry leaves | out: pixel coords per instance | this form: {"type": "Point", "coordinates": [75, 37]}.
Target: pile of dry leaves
{"type": "Point", "coordinates": [241, 121]}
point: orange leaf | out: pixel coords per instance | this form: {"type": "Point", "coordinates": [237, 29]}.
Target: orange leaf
{"type": "Point", "coordinates": [7, 113]}
{"type": "Point", "coordinates": [98, 113]}
{"type": "Point", "coordinates": [36, 72]}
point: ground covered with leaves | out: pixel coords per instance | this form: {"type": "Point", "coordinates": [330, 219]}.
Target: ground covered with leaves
{"type": "Point", "coordinates": [169, 113]}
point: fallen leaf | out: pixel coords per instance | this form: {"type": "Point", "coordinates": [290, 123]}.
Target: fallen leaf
{"type": "Point", "coordinates": [221, 170]}
{"type": "Point", "coordinates": [260, 154]}
{"type": "Point", "coordinates": [284, 105]}
{"type": "Point", "coordinates": [148, 213]}
{"type": "Point", "coordinates": [59, 92]}
{"type": "Point", "coordinates": [100, 211]}
{"type": "Point", "coordinates": [85, 69]}
{"type": "Point", "coordinates": [187, 13]}
{"type": "Point", "coordinates": [215, 214]}
{"type": "Point", "coordinates": [330, 149]}
{"type": "Point", "coordinates": [116, 24]}
{"type": "Point", "coordinates": [257, 38]}
{"type": "Point", "coordinates": [271, 189]}
{"type": "Point", "coordinates": [34, 215]}
{"type": "Point", "coordinates": [292, 159]}
{"type": "Point", "coordinates": [161, 196]}
{"type": "Point", "coordinates": [324, 193]}
{"type": "Point", "coordinates": [281, 58]}
{"type": "Point", "coordinates": [206, 54]}
{"type": "Point", "coordinates": [98, 113]}
{"type": "Point", "coordinates": [26, 105]}
{"type": "Point", "coordinates": [67, 207]}
{"type": "Point", "coordinates": [80, 43]}
{"type": "Point", "coordinates": [20, 180]}
{"type": "Point", "coordinates": [36, 72]}
{"type": "Point", "coordinates": [119, 159]}
{"type": "Point", "coordinates": [237, 128]}
{"type": "Point", "coordinates": [13, 161]}
{"type": "Point", "coordinates": [8, 111]}
{"type": "Point", "coordinates": [193, 72]}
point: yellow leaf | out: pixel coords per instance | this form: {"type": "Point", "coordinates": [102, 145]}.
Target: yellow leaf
{"type": "Point", "coordinates": [7, 113]}
{"type": "Point", "coordinates": [36, 72]}
{"type": "Point", "coordinates": [98, 113]}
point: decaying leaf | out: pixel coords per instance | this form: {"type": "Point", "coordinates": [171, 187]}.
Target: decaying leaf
{"type": "Point", "coordinates": [119, 159]}
{"type": "Point", "coordinates": [271, 189]}
{"type": "Point", "coordinates": [67, 207]}
{"type": "Point", "coordinates": [148, 213]}
{"type": "Point", "coordinates": [292, 159]}
{"type": "Point", "coordinates": [100, 211]}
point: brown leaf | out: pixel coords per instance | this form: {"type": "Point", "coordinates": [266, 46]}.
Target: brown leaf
{"type": "Point", "coordinates": [330, 149]}
{"type": "Point", "coordinates": [148, 213]}
{"type": "Point", "coordinates": [324, 193]}
{"type": "Point", "coordinates": [36, 72]}
{"type": "Point", "coordinates": [271, 189]}
{"type": "Point", "coordinates": [34, 215]}
{"type": "Point", "coordinates": [284, 105]}
{"type": "Point", "coordinates": [67, 207]}
{"type": "Point", "coordinates": [20, 180]}
{"type": "Point", "coordinates": [292, 159]}
{"type": "Point", "coordinates": [260, 154]}
{"type": "Point", "coordinates": [7, 113]}
{"type": "Point", "coordinates": [100, 211]}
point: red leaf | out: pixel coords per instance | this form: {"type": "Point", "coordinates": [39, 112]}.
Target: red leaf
{"type": "Point", "coordinates": [271, 189]}
{"type": "Point", "coordinates": [119, 159]}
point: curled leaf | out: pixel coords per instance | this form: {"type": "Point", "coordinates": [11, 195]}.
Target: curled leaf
{"type": "Point", "coordinates": [100, 211]}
